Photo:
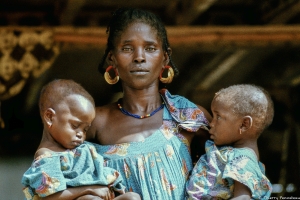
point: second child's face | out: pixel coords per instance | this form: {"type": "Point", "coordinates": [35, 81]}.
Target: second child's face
{"type": "Point", "coordinates": [224, 125]}
{"type": "Point", "coordinates": [71, 121]}
{"type": "Point", "coordinates": [138, 56]}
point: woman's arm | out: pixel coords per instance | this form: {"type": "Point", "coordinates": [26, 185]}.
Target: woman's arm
{"type": "Point", "coordinates": [75, 192]}
{"type": "Point", "coordinates": [241, 191]}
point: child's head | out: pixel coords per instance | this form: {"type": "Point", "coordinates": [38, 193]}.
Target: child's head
{"type": "Point", "coordinates": [67, 111]}
{"type": "Point", "coordinates": [242, 108]}
{"type": "Point", "coordinates": [122, 18]}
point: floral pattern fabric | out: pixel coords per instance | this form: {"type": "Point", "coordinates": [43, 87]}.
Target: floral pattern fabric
{"type": "Point", "coordinates": [157, 168]}
{"type": "Point", "coordinates": [55, 171]}
{"type": "Point", "coordinates": [215, 172]}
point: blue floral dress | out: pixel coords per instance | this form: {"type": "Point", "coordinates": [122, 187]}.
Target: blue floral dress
{"type": "Point", "coordinates": [55, 171]}
{"type": "Point", "coordinates": [157, 168]}
{"type": "Point", "coordinates": [214, 174]}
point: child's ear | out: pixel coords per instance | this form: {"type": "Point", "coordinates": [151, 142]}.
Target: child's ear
{"type": "Point", "coordinates": [48, 116]}
{"type": "Point", "coordinates": [246, 123]}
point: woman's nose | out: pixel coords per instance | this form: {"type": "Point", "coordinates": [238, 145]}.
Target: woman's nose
{"type": "Point", "coordinates": [139, 56]}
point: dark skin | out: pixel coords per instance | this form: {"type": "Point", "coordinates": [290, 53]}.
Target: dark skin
{"type": "Point", "coordinates": [64, 125]}
{"type": "Point", "coordinates": [139, 59]}
{"type": "Point", "coordinates": [229, 128]}
{"type": "Point", "coordinates": [88, 192]}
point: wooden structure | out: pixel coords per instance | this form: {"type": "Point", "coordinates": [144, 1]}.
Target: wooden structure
{"type": "Point", "coordinates": [215, 44]}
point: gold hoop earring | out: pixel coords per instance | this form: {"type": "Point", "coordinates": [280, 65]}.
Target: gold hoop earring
{"type": "Point", "coordinates": [170, 76]}
{"type": "Point", "coordinates": [108, 78]}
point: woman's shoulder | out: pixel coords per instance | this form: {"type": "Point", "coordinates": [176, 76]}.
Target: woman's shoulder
{"type": "Point", "coordinates": [102, 118]}
{"type": "Point", "coordinates": [181, 102]}
{"type": "Point", "coordinates": [105, 108]}
{"type": "Point", "coordinates": [104, 112]}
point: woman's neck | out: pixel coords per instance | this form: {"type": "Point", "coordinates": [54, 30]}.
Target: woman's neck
{"type": "Point", "coordinates": [141, 101]}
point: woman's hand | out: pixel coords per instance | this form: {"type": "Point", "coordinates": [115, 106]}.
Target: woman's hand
{"type": "Point", "coordinates": [103, 192]}
{"type": "Point", "coordinates": [89, 192]}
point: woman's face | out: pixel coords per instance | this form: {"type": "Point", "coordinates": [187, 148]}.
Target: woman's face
{"type": "Point", "coordinates": [138, 56]}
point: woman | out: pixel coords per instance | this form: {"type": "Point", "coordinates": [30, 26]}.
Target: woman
{"type": "Point", "coordinates": [146, 134]}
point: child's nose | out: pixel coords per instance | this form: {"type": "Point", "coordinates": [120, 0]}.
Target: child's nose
{"type": "Point", "coordinates": [79, 134]}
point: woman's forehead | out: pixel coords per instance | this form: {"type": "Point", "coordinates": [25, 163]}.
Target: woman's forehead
{"type": "Point", "coordinates": [140, 27]}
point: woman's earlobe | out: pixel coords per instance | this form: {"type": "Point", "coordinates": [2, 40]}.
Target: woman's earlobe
{"type": "Point", "coordinates": [169, 50]}
{"type": "Point", "coordinates": [168, 54]}
{"type": "Point", "coordinates": [109, 58]}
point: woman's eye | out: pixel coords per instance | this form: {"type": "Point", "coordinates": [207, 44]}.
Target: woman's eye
{"type": "Point", "coordinates": [150, 49]}
{"type": "Point", "coordinates": [126, 49]}
{"type": "Point", "coordinates": [218, 117]}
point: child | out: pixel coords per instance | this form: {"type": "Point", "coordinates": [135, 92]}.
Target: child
{"type": "Point", "coordinates": [63, 161]}
{"type": "Point", "coordinates": [231, 167]}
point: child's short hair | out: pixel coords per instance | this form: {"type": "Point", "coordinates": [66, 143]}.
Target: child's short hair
{"type": "Point", "coordinates": [55, 91]}
{"type": "Point", "coordinates": [247, 99]}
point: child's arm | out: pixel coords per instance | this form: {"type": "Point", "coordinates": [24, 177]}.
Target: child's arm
{"type": "Point", "coordinates": [241, 191]}
{"type": "Point", "coordinates": [72, 193]}
{"type": "Point", "coordinates": [41, 151]}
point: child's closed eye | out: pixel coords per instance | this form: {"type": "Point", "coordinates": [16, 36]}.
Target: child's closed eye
{"type": "Point", "coordinates": [74, 126]}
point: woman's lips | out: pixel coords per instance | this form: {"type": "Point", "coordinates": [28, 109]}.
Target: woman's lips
{"type": "Point", "coordinates": [139, 72]}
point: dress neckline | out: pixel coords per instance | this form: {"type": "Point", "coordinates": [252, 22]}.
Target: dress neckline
{"type": "Point", "coordinates": [156, 131]}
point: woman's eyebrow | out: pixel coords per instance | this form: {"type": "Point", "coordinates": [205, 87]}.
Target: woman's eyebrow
{"type": "Point", "coordinates": [127, 41]}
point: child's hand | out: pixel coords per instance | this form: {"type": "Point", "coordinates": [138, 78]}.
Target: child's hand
{"type": "Point", "coordinates": [104, 192]}
{"type": "Point", "coordinates": [89, 197]}
{"type": "Point", "coordinates": [87, 192]}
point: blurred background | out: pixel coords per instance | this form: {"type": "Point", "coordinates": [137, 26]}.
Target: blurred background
{"type": "Point", "coordinates": [215, 44]}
